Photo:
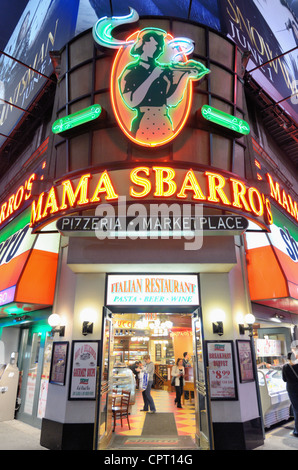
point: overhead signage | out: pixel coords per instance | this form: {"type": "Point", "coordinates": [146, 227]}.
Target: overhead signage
{"type": "Point", "coordinates": [268, 30]}
{"type": "Point", "coordinates": [43, 27]}
{"type": "Point", "coordinates": [151, 226]}
{"type": "Point", "coordinates": [147, 184]}
{"type": "Point", "coordinates": [282, 198]}
{"type": "Point", "coordinates": [273, 264]}
{"type": "Point", "coordinates": [21, 253]}
{"type": "Point", "coordinates": [151, 80]}
{"type": "Point", "coordinates": [81, 118]}
{"type": "Point", "coordinates": [158, 290]}
{"type": "Point", "coordinates": [17, 199]}
{"type": "Point", "coordinates": [226, 120]}
{"type": "Point", "coordinates": [7, 295]}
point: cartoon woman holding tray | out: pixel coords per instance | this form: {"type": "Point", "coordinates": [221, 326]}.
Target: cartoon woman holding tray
{"type": "Point", "coordinates": [151, 83]}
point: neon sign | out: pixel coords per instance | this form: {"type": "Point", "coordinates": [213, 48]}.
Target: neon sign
{"type": "Point", "coordinates": [151, 80]}
{"type": "Point", "coordinates": [7, 295]}
{"type": "Point", "coordinates": [15, 201]}
{"type": "Point", "coordinates": [225, 120]}
{"type": "Point", "coordinates": [147, 184]}
{"type": "Point", "coordinates": [282, 198]}
{"type": "Point", "coordinates": [79, 118]}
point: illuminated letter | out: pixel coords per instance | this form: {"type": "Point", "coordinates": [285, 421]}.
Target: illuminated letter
{"type": "Point", "coordinates": [135, 178]}
{"type": "Point", "coordinates": [104, 186]}
{"type": "Point", "coordinates": [36, 210]}
{"type": "Point", "coordinates": [216, 188]}
{"type": "Point", "coordinates": [68, 190]}
{"type": "Point", "coordinates": [51, 203]}
{"type": "Point", "coordinates": [285, 203]}
{"type": "Point", "coordinates": [251, 193]}
{"type": "Point", "coordinates": [293, 208]}
{"type": "Point", "coordinates": [10, 208]}
{"type": "Point", "coordinates": [268, 213]}
{"type": "Point", "coordinates": [239, 189]}
{"type": "Point", "coordinates": [29, 186]}
{"type": "Point", "coordinates": [18, 198]}
{"type": "Point", "coordinates": [3, 209]}
{"type": "Point", "coordinates": [274, 190]}
{"type": "Point", "coordinates": [190, 183]}
{"type": "Point", "coordinates": [161, 180]}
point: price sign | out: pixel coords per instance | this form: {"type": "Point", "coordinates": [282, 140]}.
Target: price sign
{"type": "Point", "coordinates": [220, 357]}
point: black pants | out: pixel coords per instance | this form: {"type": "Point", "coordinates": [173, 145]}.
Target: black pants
{"type": "Point", "coordinates": [179, 391]}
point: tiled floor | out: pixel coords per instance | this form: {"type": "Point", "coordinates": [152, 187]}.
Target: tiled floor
{"type": "Point", "coordinates": [164, 402]}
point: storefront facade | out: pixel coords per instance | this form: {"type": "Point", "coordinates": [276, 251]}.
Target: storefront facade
{"type": "Point", "coordinates": [117, 198]}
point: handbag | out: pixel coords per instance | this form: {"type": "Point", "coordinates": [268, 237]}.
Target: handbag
{"type": "Point", "coordinates": [292, 369]}
{"type": "Point", "coordinates": [145, 380]}
{"type": "Point", "coordinates": [173, 381]}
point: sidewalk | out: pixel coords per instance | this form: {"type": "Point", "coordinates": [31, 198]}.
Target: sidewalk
{"type": "Point", "coordinates": [16, 435]}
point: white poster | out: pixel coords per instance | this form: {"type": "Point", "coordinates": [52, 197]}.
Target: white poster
{"type": "Point", "coordinates": [221, 370]}
{"type": "Point", "coordinates": [83, 370]}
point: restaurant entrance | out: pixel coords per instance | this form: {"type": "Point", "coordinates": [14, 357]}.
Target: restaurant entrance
{"type": "Point", "coordinates": [165, 337]}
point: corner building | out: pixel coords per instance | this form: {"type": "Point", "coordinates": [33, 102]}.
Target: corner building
{"type": "Point", "coordinates": [210, 169]}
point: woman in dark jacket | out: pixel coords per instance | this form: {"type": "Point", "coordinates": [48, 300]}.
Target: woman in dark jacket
{"type": "Point", "coordinates": [290, 376]}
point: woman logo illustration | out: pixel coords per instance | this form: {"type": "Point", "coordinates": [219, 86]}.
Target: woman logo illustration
{"type": "Point", "coordinates": [151, 79]}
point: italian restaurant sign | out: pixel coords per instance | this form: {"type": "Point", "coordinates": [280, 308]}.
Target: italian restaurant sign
{"type": "Point", "coordinates": [152, 290]}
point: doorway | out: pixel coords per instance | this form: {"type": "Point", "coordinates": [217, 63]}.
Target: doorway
{"type": "Point", "coordinates": [34, 364]}
{"type": "Point", "coordinates": [165, 337]}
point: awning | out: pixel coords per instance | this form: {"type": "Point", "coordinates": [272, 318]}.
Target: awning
{"type": "Point", "coordinates": [28, 267]}
{"type": "Point", "coordinates": [272, 264]}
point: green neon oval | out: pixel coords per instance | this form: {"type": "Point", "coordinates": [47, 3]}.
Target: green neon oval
{"type": "Point", "coordinates": [225, 120]}
{"type": "Point", "coordinates": [76, 119]}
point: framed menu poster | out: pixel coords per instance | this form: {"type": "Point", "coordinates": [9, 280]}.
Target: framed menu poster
{"type": "Point", "coordinates": [59, 362]}
{"type": "Point", "coordinates": [246, 371]}
{"type": "Point", "coordinates": [84, 362]}
{"type": "Point", "coordinates": [221, 366]}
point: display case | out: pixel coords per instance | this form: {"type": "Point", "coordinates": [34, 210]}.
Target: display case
{"type": "Point", "coordinates": [124, 379]}
{"type": "Point", "coordinates": [274, 396]}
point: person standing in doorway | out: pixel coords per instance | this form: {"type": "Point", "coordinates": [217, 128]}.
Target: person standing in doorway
{"type": "Point", "coordinates": [186, 361]}
{"type": "Point", "coordinates": [148, 400]}
{"type": "Point", "coordinates": [290, 376]}
{"type": "Point", "coordinates": [178, 373]}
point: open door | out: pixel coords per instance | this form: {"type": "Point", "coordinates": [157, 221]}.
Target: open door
{"type": "Point", "coordinates": [204, 432]}
{"type": "Point", "coordinates": [103, 428]}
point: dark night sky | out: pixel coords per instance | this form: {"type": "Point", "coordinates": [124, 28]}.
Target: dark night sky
{"type": "Point", "coordinates": [11, 10]}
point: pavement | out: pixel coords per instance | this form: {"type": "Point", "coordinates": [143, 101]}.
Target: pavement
{"type": "Point", "coordinates": [16, 435]}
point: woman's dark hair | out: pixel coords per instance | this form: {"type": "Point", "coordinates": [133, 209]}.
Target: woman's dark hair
{"type": "Point", "coordinates": [179, 359]}
{"type": "Point", "coordinates": [137, 49]}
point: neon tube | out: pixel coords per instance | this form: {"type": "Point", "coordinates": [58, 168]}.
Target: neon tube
{"type": "Point", "coordinates": [225, 120]}
{"type": "Point", "coordinates": [76, 119]}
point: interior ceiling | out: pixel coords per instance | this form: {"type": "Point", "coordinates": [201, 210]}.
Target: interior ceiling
{"type": "Point", "coordinates": [280, 125]}
{"type": "Point", "coordinates": [182, 320]}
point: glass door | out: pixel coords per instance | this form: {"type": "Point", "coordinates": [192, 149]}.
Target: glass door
{"type": "Point", "coordinates": [103, 430]}
{"type": "Point", "coordinates": [34, 365]}
{"type": "Point", "coordinates": [204, 432]}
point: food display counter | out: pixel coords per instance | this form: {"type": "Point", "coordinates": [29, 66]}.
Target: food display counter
{"type": "Point", "coordinates": [274, 396]}
{"type": "Point", "coordinates": [124, 379]}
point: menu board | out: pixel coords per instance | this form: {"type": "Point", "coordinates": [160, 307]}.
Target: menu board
{"type": "Point", "coordinates": [59, 363]}
{"type": "Point", "coordinates": [268, 347]}
{"type": "Point", "coordinates": [83, 370]}
{"type": "Point", "coordinates": [245, 361]}
{"type": "Point", "coordinates": [221, 366]}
